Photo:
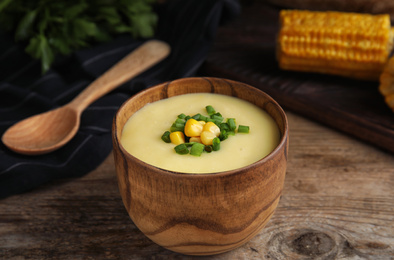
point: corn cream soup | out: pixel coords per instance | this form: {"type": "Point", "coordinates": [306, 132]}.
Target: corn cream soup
{"type": "Point", "coordinates": [141, 135]}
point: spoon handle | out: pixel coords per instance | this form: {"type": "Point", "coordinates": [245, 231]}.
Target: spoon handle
{"type": "Point", "coordinates": [133, 64]}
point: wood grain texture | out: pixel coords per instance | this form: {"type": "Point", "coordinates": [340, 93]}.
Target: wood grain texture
{"type": "Point", "coordinates": [201, 214]}
{"type": "Point", "coordinates": [337, 203]}
{"type": "Point", "coordinates": [244, 50]}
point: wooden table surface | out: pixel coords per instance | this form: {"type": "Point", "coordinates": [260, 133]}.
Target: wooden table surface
{"type": "Point", "coordinates": [337, 203]}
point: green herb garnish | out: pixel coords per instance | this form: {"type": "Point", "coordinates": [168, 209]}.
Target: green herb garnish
{"type": "Point", "coordinates": [49, 28]}
{"type": "Point", "coordinates": [243, 129]}
{"type": "Point", "coordinates": [206, 142]}
{"type": "Point", "coordinates": [216, 144]}
{"type": "Point", "coordinates": [166, 137]}
{"type": "Point", "coordinates": [210, 110]}
{"type": "Point", "coordinates": [197, 149]}
{"type": "Point", "coordinates": [181, 149]}
{"type": "Point", "coordinates": [231, 124]}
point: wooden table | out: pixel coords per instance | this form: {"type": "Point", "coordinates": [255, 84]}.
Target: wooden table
{"type": "Point", "coordinates": [337, 203]}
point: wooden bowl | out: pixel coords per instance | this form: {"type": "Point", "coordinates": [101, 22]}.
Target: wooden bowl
{"type": "Point", "coordinates": [201, 214]}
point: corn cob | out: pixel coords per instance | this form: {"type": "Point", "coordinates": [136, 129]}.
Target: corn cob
{"type": "Point", "coordinates": [346, 44]}
{"type": "Point", "coordinates": [386, 86]}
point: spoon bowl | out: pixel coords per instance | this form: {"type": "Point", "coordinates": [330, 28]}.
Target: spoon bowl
{"type": "Point", "coordinates": [43, 133]}
{"type": "Point", "coordinates": [46, 132]}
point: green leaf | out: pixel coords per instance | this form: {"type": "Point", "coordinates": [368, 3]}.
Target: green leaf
{"type": "Point", "coordinates": [83, 29]}
{"type": "Point", "coordinates": [60, 45]}
{"type": "Point", "coordinates": [137, 6]}
{"type": "Point", "coordinates": [101, 35]}
{"type": "Point", "coordinates": [123, 29]}
{"type": "Point", "coordinates": [24, 29]}
{"type": "Point", "coordinates": [144, 25]}
{"type": "Point", "coordinates": [75, 10]}
{"type": "Point", "coordinates": [4, 4]}
{"type": "Point", "coordinates": [33, 48]}
{"type": "Point", "coordinates": [40, 49]}
{"type": "Point", "coordinates": [50, 27]}
{"type": "Point", "coordinates": [43, 23]}
{"type": "Point", "coordinates": [109, 14]}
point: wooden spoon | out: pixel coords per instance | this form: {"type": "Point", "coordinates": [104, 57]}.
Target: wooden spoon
{"type": "Point", "coordinates": [51, 130]}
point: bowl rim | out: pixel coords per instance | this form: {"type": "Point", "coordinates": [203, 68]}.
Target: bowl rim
{"type": "Point", "coordinates": [282, 143]}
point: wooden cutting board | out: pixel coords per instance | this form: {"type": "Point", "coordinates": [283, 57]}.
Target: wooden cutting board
{"type": "Point", "coordinates": [244, 50]}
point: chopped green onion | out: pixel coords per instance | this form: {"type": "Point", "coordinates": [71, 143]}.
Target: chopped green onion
{"type": "Point", "coordinates": [216, 144]}
{"type": "Point", "coordinates": [177, 127]}
{"type": "Point", "coordinates": [223, 135]}
{"type": "Point", "coordinates": [180, 121]}
{"type": "Point", "coordinates": [204, 118]}
{"type": "Point", "coordinates": [182, 116]}
{"type": "Point", "coordinates": [230, 132]}
{"type": "Point", "coordinates": [216, 117]}
{"type": "Point", "coordinates": [224, 126]}
{"type": "Point", "coordinates": [166, 137]}
{"type": "Point", "coordinates": [243, 129]}
{"type": "Point", "coordinates": [210, 110]}
{"type": "Point", "coordinates": [216, 114]}
{"type": "Point", "coordinates": [231, 124]}
{"type": "Point", "coordinates": [181, 149]}
{"type": "Point", "coordinates": [208, 148]}
{"type": "Point", "coordinates": [217, 122]}
{"type": "Point", "coordinates": [197, 116]}
{"type": "Point", "coordinates": [197, 149]}
{"type": "Point", "coordinates": [227, 128]}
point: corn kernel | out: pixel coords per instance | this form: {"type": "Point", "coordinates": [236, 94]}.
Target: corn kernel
{"type": "Point", "coordinates": [177, 137]}
{"type": "Point", "coordinates": [195, 139]}
{"type": "Point", "coordinates": [193, 128]}
{"type": "Point", "coordinates": [202, 122]}
{"type": "Point", "coordinates": [212, 127]}
{"type": "Point", "coordinates": [207, 137]}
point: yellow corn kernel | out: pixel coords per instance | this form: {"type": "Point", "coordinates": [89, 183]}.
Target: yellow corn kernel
{"type": "Point", "coordinates": [211, 127]}
{"type": "Point", "coordinates": [195, 139]}
{"type": "Point", "coordinates": [207, 137]}
{"type": "Point", "coordinates": [346, 44]}
{"type": "Point", "coordinates": [202, 122]}
{"type": "Point", "coordinates": [177, 137]}
{"type": "Point", "coordinates": [193, 128]}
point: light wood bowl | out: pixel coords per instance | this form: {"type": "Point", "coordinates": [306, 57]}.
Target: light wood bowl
{"type": "Point", "coordinates": [200, 214]}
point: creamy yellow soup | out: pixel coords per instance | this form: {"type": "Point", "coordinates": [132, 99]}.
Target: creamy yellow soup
{"type": "Point", "coordinates": [141, 135]}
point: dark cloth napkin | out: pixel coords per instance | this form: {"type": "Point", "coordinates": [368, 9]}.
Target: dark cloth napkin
{"type": "Point", "coordinates": [188, 26]}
